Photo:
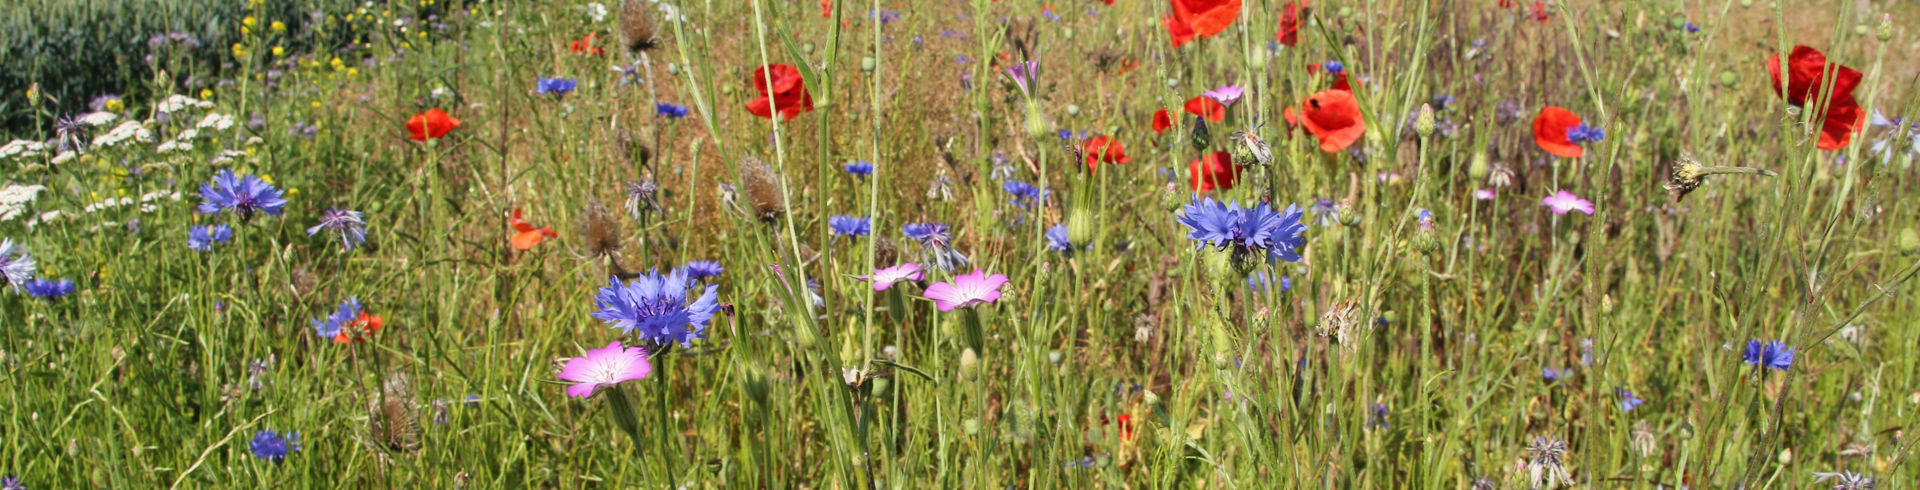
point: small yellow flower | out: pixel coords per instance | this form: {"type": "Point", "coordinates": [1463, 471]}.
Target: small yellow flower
{"type": "Point", "coordinates": [248, 21]}
{"type": "Point", "coordinates": [349, 17]}
{"type": "Point", "coordinates": [250, 152]}
{"type": "Point", "coordinates": [293, 190]}
{"type": "Point", "coordinates": [314, 104]}
{"type": "Point", "coordinates": [239, 51]}
{"type": "Point", "coordinates": [278, 26]}
{"type": "Point", "coordinates": [406, 45]}
{"type": "Point", "coordinates": [361, 11]}
{"type": "Point", "coordinates": [33, 92]}
{"type": "Point", "coordinates": [353, 72]}
{"type": "Point", "coordinates": [279, 51]}
{"type": "Point", "coordinates": [423, 33]}
{"type": "Point", "coordinates": [115, 105]}
{"type": "Point", "coordinates": [206, 93]}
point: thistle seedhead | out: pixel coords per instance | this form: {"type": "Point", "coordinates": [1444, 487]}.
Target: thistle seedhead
{"type": "Point", "coordinates": [636, 25]}
{"type": "Point", "coordinates": [762, 189]}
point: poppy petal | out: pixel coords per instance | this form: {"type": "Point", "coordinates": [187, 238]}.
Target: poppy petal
{"type": "Point", "coordinates": [1550, 132]}
{"type": "Point", "coordinates": [1206, 107]}
{"type": "Point", "coordinates": [1334, 117]}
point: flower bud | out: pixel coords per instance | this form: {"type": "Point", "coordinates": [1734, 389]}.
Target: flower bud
{"type": "Point", "coordinates": [1080, 227]}
{"type": "Point", "coordinates": [1423, 123]}
{"type": "Point", "coordinates": [1477, 170]}
{"type": "Point", "coordinates": [1728, 78]}
{"type": "Point", "coordinates": [969, 362]}
{"type": "Point", "coordinates": [1426, 242]}
{"type": "Point", "coordinates": [1886, 28]}
{"type": "Point", "coordinates": [867, 64]}
{"type": "Point", "coordinates": [1036, 120]}
{"type": "Point", "coordinates": [807, 48]}
{"type": "Point", "coordinates": [1073, 110]}
{"type": "Point", "coordinates": [1909, 242]}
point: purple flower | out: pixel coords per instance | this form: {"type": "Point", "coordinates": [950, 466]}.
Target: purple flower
{"type": "Point", "coordinates": [1627, 401]}
{"type": "Point", "coordinates": [850, 225]}
{"type": "Point", "coordinates": [49, 290]}
{"type": "Point", "coordinates": [670, 110]}
{"type": "Point", "coordinates": [1024, 194]}
{"type": "Point", "coordinates": [1333, 67]}
{"type": "Point", "coordinates": [702, 269]}
{"type": "Point", "coordinates": [1484, 194]}
{"type": "Point", "coordinates": [1555, 375]}
{"type": "Point", "coordinates": [270, 446]}
{"type": "Point", "coordinates": [859, 168]}
{"type": "Point", "coordinates": [348, 224]}
{"type": "Point", "coordinates": [885, 278]}
{"type": "Point", "coordinates": [1023, 73]}
{"type": "Point", "coordinates": [16, 267]}
{"type": "Point", "coordinates": [605, 366]}
{"type": "Point", "coordinates": [1582, 133]}
{"type": "Point", "coordinates": [966, 291]}
{"type": "Point", "coordinates": [201, 238]}
{"type": "Point", "coordinates": [936, 242]}
{"type": "Point", "coordinates": [554, 86]}
{"type": "Point", "coordinates": [657, 308]}
{"type": "Point", "coordinates": [11, 482]}
{"type": "Point", "coordinates": [229, 193]}
{"type": "Point", "coordinates": [1226, 94]}
{"type": "Point", "coordinates": [1774, 355]}
{"type": "Point", "coordinates": [1057, 239]}
{"type": "Point", "coordinates": [1561, 202]}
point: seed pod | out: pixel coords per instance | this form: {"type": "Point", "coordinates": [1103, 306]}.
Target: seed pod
{"type": "Point", "coordinates": [636, 25]}
{"type": "Point", "coordinates": [762, 190]}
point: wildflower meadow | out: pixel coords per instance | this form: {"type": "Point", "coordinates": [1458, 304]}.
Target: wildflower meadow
{"type": "Point", "coordinates": [833, 244]}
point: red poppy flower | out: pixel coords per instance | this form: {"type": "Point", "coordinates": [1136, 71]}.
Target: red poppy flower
{"type": "Point", "coordinates": [1843, 119]}
{"type": "Point", "coordinates": [432, 124]}
{"type": "Point", "coordinates": [1507, 4]}
{"type": "Point", "coordinates": [1206, 107]}
{"type": "Point", "coordinates": [1290, 23]}
{"type": "Point", "coordinates": [585, 45]}
{"type": "Point", "coordinates": [1550, 132]}
{"type": "Point", "coordinates": [1162, 121]}
{"type": "Point", "coordinates": [1806, 69]}
{"type": "Point", "coordinates": [526, 236]}
{"type": "Point", "coordinates": [1333, 116]}
{"type": "Point", "coordinates": [1214, 171]}
{"type": "Point", "coordinates": [1540, 12]}
{"type": "Point", "coordinates": [788, 93]}
{"type": "Point", "coordinates": [1103, 149]}
{"type": "Point", "coordinates": [826, 9]}
{"type": "Point", "coordinates": [362, 327]}
{"type": "Point", "coordinates": [1201, 18]}
{"type": "Point", "coordinates": [1125, 421]}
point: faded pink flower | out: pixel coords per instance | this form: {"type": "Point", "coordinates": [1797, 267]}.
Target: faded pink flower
{"type": "Point", "coordinates": [966, 291]}
{"type": "Point", "coordinates": [1564, 201]}
{"type": "Point", "coordinates": [1484, 194]}
{"type": "Point", "coordinates": [606, 366]}
{"type": "Point", "coordinates": [1226, 94]}
{"type": "Point", "coordinates": [884, 278]}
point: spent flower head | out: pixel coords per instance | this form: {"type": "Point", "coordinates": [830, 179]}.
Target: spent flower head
{"type": "Point", "coordinates": [349, 225]}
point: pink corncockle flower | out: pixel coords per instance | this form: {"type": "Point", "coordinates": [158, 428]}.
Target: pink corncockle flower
{"type": "Point", "coordinates": [1484, 194]}
{"type": "Point", "coordinates": [966, 291]}
{"type": "Point", "coordinates": [884, 278]}
{"type": "Point", "coordinates": [1564, 201]}
{"type": "Point", "coordinates": [1226, 94]}
{"type": "Point", "coordinates": [606, 366]}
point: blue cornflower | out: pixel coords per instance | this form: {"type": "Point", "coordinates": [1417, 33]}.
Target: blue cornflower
{"type": "Point", "coordinates": [1048, 13]}
{"type": "Point", "coordinates": [1377, 416]}
{"type": "Point", "coordinates": [1256, 229]}
{"type": "Point", "coordinates": [1442, 101]}
{"type": "Point", "coordinates": [1775, 355]}
{"type": "Point", "coordinates": [657, 308]}
{"type": "Point", "coordinates": [1325, 212]}
{"type": "Point", "coordinates": [1259, 281]}
{"type": "Point", "coordinates": [885, 16]}
{"type": "Point", "coordinates": [670, 110]}
{"type": "Point", "coordinates": [859, 168]}
{"type": "Point", "coordinates": [702, 269]}
{"type": "Point", "coordinates": [1692, 28]}
{"type": "Point", "coordinates": [1086, 462]}
{"type": "Point", "coordinates": [16, 267]}
{"type": "Point", "coordinates": [926, 233]}
{"type": "Point", "coordinates": [229, 193]}
{"type": "Point", "coordinates": [1627, 401]}
{"type": "Point", "coordinates": [349, 224]}
{"type": "Point", "coordinates": [49, 290]}
{"type": "Point", "coordinates": [1582, 133]}
{"type": "Point", "coordinates": [1024, 194]}
{"type": "Point", "coordinates": [850, 225]}
{"type": "Point", "coordinates": [202, 238]}
{"type": "Point", "coordinates": [1057, 239]}
{"type": "Point", "coordinates": [1334, 67]}
{"type": "Point", "coordinates": [271, 446]}
{"type": "Point", "coordinates": [936, 243]}
{"type": "Point", "coordinates": [11, 482]}
{"type": "Point", "coordinates": [554, 86]}
{"type": "Point", "coordinates": [329, 327]}
{"type": "Point", "coordinates": [1555, 375]}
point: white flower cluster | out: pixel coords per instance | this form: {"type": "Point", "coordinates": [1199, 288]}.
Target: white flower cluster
{"type": "Point", "coordinates": [22, 149]}
{"type": "Point", "coordinates": [96, 119]}
{"type": "Point", "coordinates": [215, 121]}
{"type": "Point", "coordinates": [597, 11]}
{"type": "Point", "coordinates": [15, 198]}
{"type": "Point", "coordinates": [127, 131]}
{"type": "Point", "coordinates": [176, 103]}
